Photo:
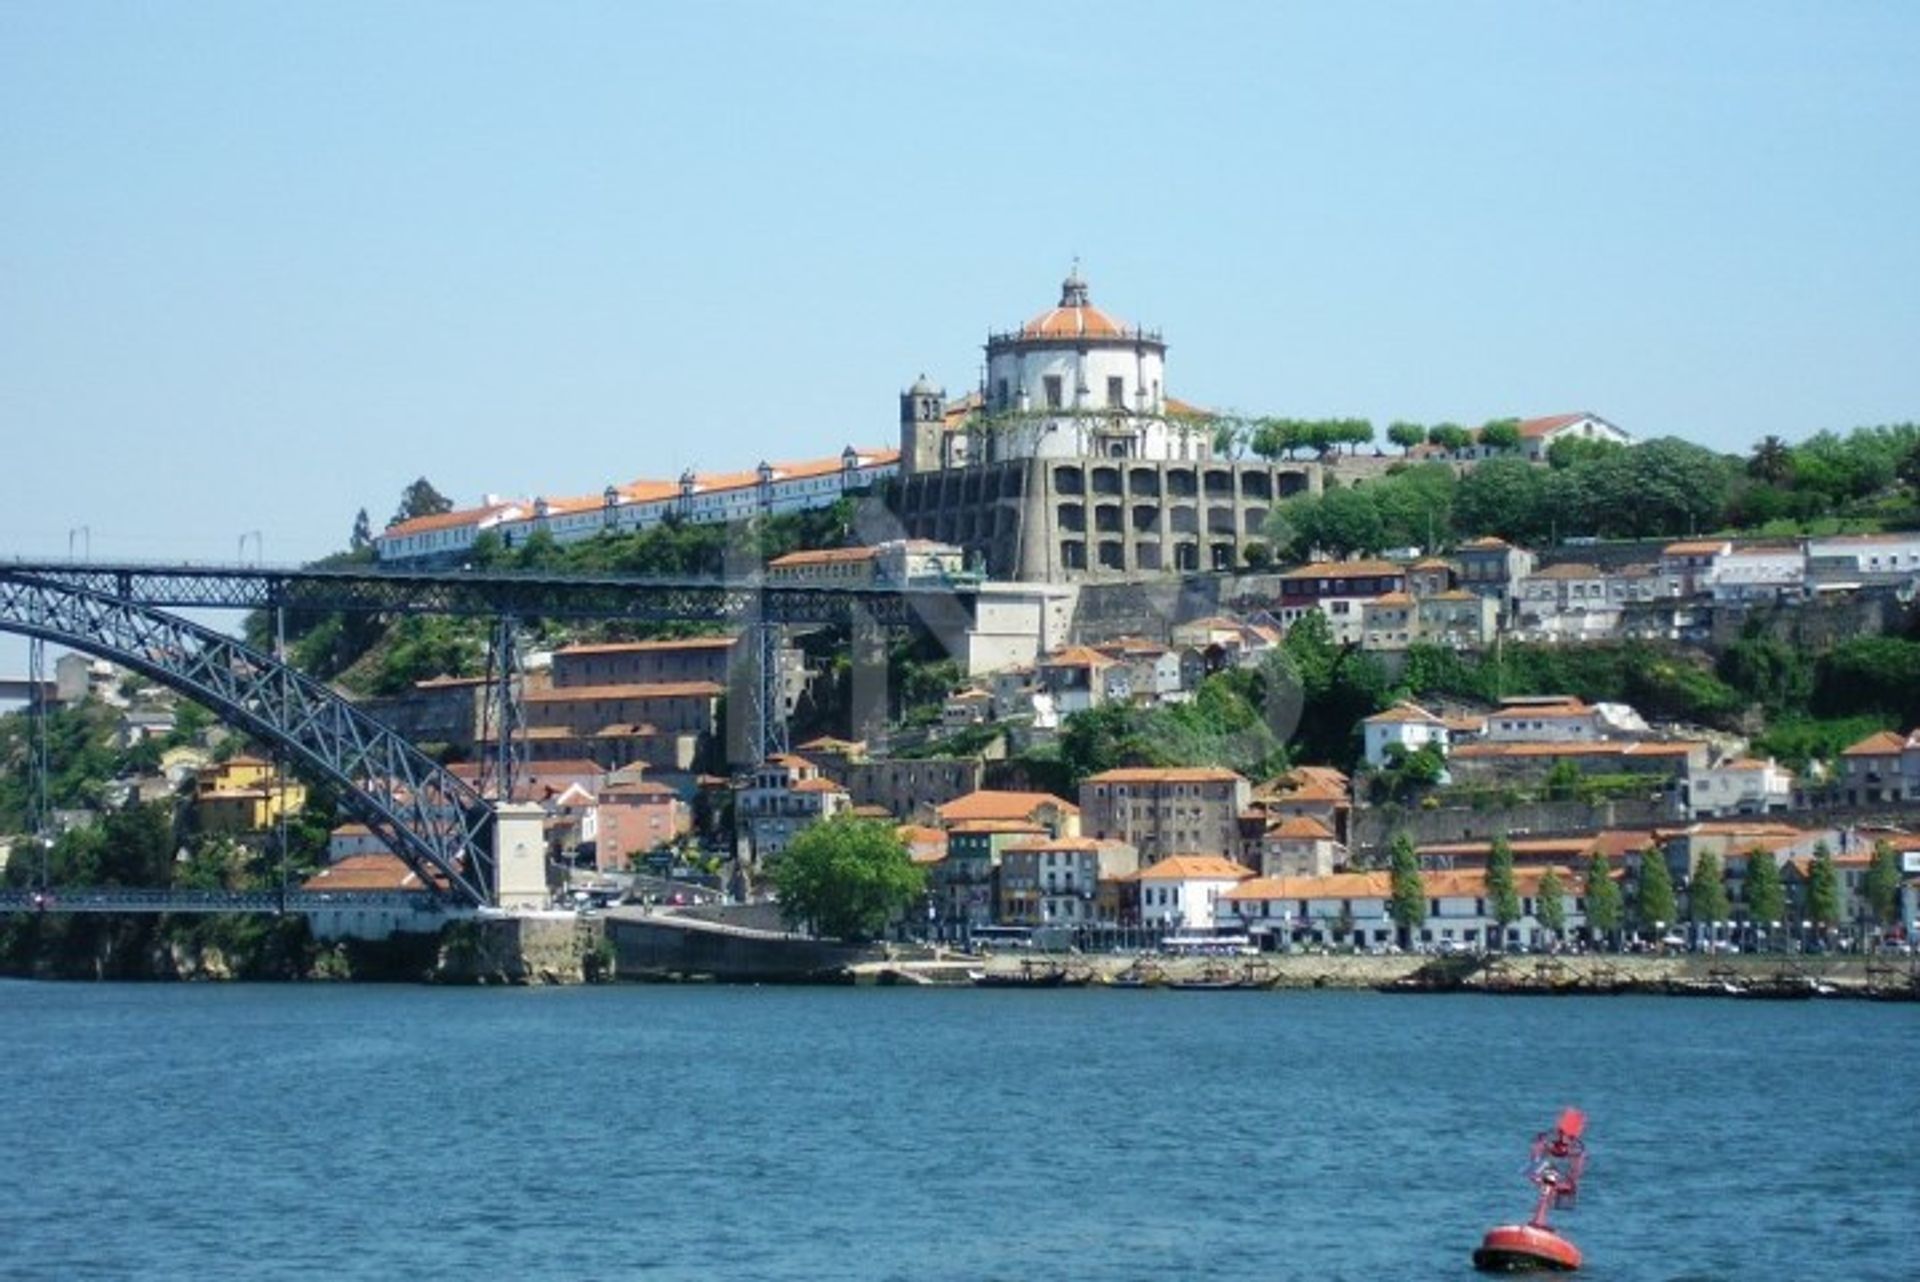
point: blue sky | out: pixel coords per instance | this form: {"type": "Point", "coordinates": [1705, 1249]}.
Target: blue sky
{"type": "Point", "coordinates": [261, 265]}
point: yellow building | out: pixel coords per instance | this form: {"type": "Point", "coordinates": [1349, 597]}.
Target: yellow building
{"type": "Point", "coordinates": [244, 794]}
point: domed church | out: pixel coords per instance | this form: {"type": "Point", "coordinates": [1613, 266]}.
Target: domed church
{"type": "Point", "coordinates": [1072, 462]}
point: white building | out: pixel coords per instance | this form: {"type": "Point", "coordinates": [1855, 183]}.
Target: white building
{"type": "Point", "coordinates": [1544, 719]}
{"type": "Point", "coordinates": [784, 796]}
{"type": "Point", "coordinates": [1408, 725]}
{"type": "Point", "coordinates": [770, 489]}
{"type": "Point", "coordinates": [1741, 786]}
{"type": "Point", "coordinates": [1864, 555]}
{"type": "Point", "coordinates": [1181, 892]}
{"type": "Point", "coordinates": [1758, 574]}
{"type": "Point", "coordinates": [1537, 435]}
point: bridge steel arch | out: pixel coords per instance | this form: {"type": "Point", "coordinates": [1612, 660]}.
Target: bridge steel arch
{"type": "Point", "coordinates": [436, 822]}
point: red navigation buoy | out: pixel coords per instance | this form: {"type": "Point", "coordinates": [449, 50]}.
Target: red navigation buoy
{"type": "Point", "coordinates": [1559, 1157]}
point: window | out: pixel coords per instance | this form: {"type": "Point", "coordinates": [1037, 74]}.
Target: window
{"type": "Point", "coordinates": [1116, 392]}
{"type": "Point", "coordinates": [1055, 396]}
{"type": "Point", "coordinates": [1000, 400]}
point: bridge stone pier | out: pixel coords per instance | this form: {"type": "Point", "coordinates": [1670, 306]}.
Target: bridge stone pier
{"type": "Point", "coordinates": [519, 856]}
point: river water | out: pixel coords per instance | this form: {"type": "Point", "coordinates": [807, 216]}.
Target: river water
{"type": "Point", "coordinates": [237, 1131]}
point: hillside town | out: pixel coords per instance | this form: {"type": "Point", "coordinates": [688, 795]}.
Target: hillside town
{"type": "Point", "coordinates": [1124, 562]}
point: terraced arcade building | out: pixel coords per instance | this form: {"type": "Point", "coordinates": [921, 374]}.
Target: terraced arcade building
{"type": "Point", "coordinates": [1071, 462]}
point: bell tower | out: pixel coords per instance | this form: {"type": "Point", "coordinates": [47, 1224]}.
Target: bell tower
{"type": "Point", "coordinates": [923, 410]}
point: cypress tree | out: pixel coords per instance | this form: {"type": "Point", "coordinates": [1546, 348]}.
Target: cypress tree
{"type": "Point", "coordinates": [1653, 905]}
{"type": "Point", "coordinates": [1505, 902]}
{"type": "Point", "coordinates": [1823, 889]}
{"type": "Point", "coordinates": [1603, 898]}
{"type": "Point", "coordinates": [1766, 897]}
{"type": "Point", "coordinates": [1408, 905]}
{"type": "Point", "coordinates": [1707, 892]}
{"type": "Point", "coordinates": [1551, 905]}
{"type": "Point", "coordinates": [1882, 887]}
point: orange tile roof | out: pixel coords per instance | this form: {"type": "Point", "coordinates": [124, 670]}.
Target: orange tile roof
{"type": "Point", "coordinates": [1076, 656]}
{"type": "Point", "coordinates": [989, 803]}
{"type": "Point", "coordinates": [1344, 570]}
{"type": "Point", "coordinates": [823, 556]}
{"type": "Point", "coordinates": [1196, 867]}
{"type": "Point", "coordinates": [1602, 748]}
{"type": "Point", "coordinates": [1533, 429]}
{"type": "Point", "coordinates": [1487, 543]}
{"type": "Point", "coordinates": [1339, 885]}
{"type": "Point", "coordinates": [636, 690]}
{"type": "Point", "coordinates": [1073, 322]}
{"type": "Point", "coordinates": [651, 647]}
{"type": "Point", "coordinates": [1886, 743]}
{"type": "Point", "coordinates": [1570, 570]}
{"type": "Point", "coordinates": [1165, 774]}
{"type": "Point", "coordinates": [996, 826]}
{"type": "Point", "coordinates": [816, 785]}
{"type": "Point", "coordinates": [1701, 547]}
{"type": "Point", "coordinates": [1300, 828]}
{"type": "Point", "coordinates": [1401, 713]}
{"type": "Point", "coordinates": [453, 520]}
{"type": "Point", "coordinates": [365, 872]}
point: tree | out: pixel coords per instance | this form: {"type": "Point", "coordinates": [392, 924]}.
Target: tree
{"type": "Point", "coordinates": [1501, 434]}
{"type": "Point", "coordinates": [362, 537]}
{"type": "Point", "coordinates": [1408, 905]}
{"type": "Point", "coordinates": [846, 876]}
{"type": "Point", "coordinates": [1231, 437]}
{"type": "Point", "coordinates": [1406, 435]}
{"type": "Point", "coordinates": [1766, 897]}
{"type": "Point", "coordinates": [1504, 901]}
{"type": "Point", "coordinates": [1550, 905]}
{"type": "Point", "coordinates": [1653, 906]}
{"type": "Point", "coordinates": [420, 499]}
{"type": "Point", "coordinates": [1909, 468]}
{"type": "Point", "coordinates": [1449, 436]}
{"type": "Point", "coordinates": [1707, 891]}
{"type": "Point", "coordinates": [1882, 888]}
{"type": "Point", "coordinates": [1823, 888]}
{"type": "Point", "coordinates": [1603, 899]}
{"type": "Point", "coordinates": [1771, 461]}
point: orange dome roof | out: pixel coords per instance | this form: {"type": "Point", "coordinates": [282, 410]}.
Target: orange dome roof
{"type": "Point", "coordinates": [1075, 317]}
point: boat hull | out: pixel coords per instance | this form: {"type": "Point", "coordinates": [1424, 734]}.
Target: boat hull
{"type": "Point", "coordinates": [1523, 1248]}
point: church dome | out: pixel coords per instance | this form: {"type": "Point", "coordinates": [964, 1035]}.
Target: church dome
{"type": "Point", "coordinates": [1075, 317]}
{"type": "Point", "coordinates": [923, 386]}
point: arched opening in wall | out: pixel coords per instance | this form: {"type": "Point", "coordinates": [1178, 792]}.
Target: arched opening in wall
{"type": "Point", "coordinates": [1106, 481]}
{"type": "Point", "coordinates": [970, 492]}
{"type": "Point", "coordinates": [1256, 485]}
{"type": "Point", "coordinates": [1184, 519]}
{"type": "Point", "coordinates": [1013, 483]}
{"type": "Point", "coordinates": [1219, 483]}
{"type": "Point", "coordinates": [1107, 518]}
{"type": "Point", "coordinates": [1181, 483]}
{"type": "Point", "coordinates": [1220, 521]}
{"type": "Point", "coordinates": [1256, 520]}
{"type": "Point", "coordinates": [1073, 554]}
{"type": "Point", "coordinates": [1143, 482]}
{"type": "Point", "coordinates": [1069, 480]}
{"type": "Point", "coordinates": [1072, 517]}
{"type": "Point", "coordinates": [1222, 556]}
{"type": "Point", "coordinates": [1113, 554]}
{"type": "Point", "coordinates": [1146, 517]}
{"type": "Point", "coordinates": [1186, 557]}
{"type": "Point", "coordinates": [1146, 554]}
{"type": "Point", "coordinates": [991, 491]}
{"type": "Point", "coordinates": [1291, 483]}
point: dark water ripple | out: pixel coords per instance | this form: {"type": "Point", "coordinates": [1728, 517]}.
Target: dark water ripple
{"type": "Point", "coordinates": [664, 1133]}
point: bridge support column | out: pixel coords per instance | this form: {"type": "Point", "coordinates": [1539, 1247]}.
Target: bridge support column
{"type": "Point", "coordinates": [520, 856]}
